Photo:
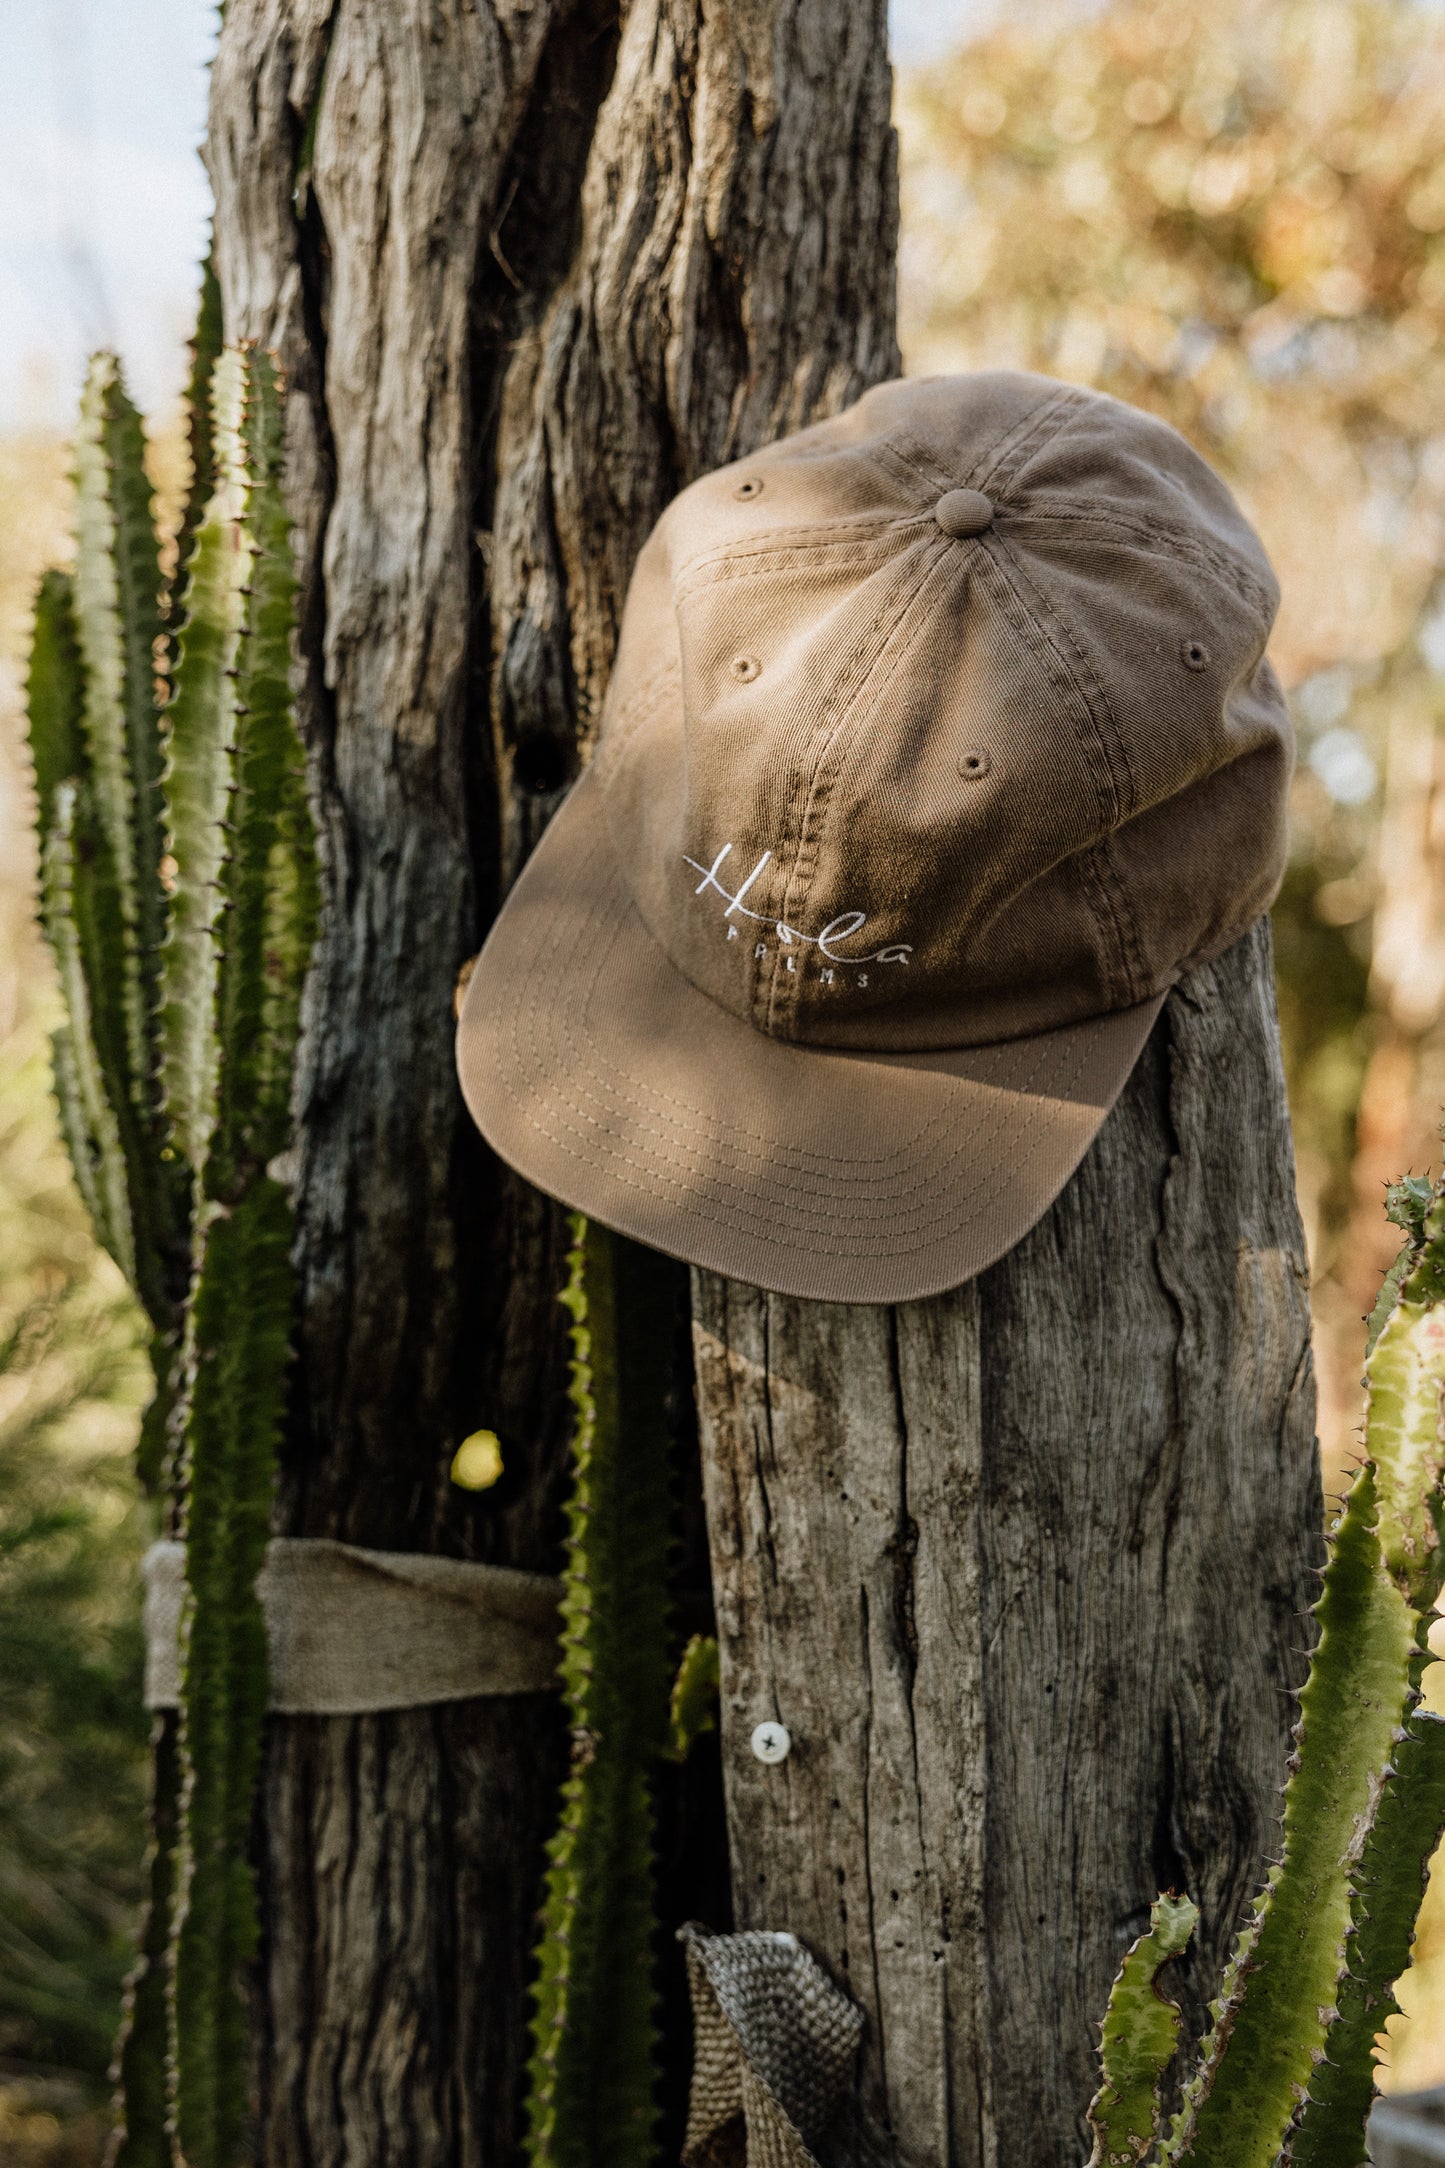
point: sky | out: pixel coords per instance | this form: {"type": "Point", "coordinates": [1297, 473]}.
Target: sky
{"type": "Point", "coordinates": [103, 200]}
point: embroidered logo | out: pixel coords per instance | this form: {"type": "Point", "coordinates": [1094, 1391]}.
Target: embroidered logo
{"type": "Point", "coordinates": [828, 944]}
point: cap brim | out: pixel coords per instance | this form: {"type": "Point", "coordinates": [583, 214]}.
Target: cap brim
{"type": "Point", "coordinates": [599, 1072]}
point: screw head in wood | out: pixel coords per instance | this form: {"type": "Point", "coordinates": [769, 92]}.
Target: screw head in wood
{"type": "Point", "coordinates": [772, 1742]}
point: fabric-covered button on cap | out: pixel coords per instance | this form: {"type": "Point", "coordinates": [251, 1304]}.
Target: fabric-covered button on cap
{"type": "Point", "coordinates": [963, 512]}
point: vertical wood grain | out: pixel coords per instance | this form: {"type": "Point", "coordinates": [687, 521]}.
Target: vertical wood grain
{"type": "Point", "coordinates": [1024, 1569]}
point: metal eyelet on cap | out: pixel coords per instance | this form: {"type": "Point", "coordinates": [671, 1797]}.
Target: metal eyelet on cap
{"type": "Point", "coordinates": [751, 485]}
{"type": "Point", "coordinates": [973, 765]}
{"type": "Point", "coordinates": [745, 668]}
{"type": "Point", "coordinates": [1194, 655]}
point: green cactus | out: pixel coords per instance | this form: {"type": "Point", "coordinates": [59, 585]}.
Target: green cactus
{"type": "Point", "coordinates": [55, 694]}
{"type": "Point", "coordinates": [120, 895]}
{"type": "Point", "coordinates": [143, 2136]}
{"type": "Point", "coordinates": [236, 1372]}
{"type": "Point", "coordinates": [1140, 2034]}
{"type": "Point", "coordinates": [593, 2076]}
{"type": "Point", "coordinates": [268, 882]}
{"type": "Point", "coordinates": [1287, 2072]}
{"type": "Point", "coordinates": [87, 1107]}
{"type": "Point", "coordinates": [1275, 2012]}
{"type": "Point", "coordinates": [205, 351]}
{"type": "Point", "coordinates": [200, 748]}
{"type": "Point", "coordinates": [173, 1071]}
{"type": "Point", "coordinates": [1387, 1887]}
{"type": "Point", "coordinates": [247, 819]}
{"type": "Point", "coordinates": [55, 700]}
{"type": "Point", "coordinates": [694, 1695]}
{"type": "Point", "coordinates": [95, 740]}
{"type": "Point", "coordinates": [95, 744]}
{"type": "Point", "coordinates": [117, 598]}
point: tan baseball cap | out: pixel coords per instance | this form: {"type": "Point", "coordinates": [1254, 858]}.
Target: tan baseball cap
{"type": "Point", "coordinates": [940, 742]}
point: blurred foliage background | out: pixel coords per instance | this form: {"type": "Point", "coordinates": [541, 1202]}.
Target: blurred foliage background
{"type": "Point", "coordinates": [72, 1381]}
{"type": "Point", "coordinates": [1233, 215]}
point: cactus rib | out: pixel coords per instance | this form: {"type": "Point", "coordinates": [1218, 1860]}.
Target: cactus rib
{"type": "Point", "coordinates": [200, 733]}
{"type": "Point", "coordinates": [269, 878]}
{"type": "Point", "coordinates": [55, 695]}
{"type": "Point", "coordinates": [240, 1335]}
{"type": "Point", "coordinates": [1140, 2033]}
{"type": "Point", "coordinates": [1388, 1886]}
{"type": "Point", "coordinates": [592, 2076]}
{"type": "Point", "coordinates": [694, 1695]}
{"type": "Point", "coordinates": [86, 1094]}
{"type": "Point", "coordinates": [142, 2107]}
{"type": "Point", "coordinates": [117, 585]}
{"type": "Point", "coordinates": [205, 349]}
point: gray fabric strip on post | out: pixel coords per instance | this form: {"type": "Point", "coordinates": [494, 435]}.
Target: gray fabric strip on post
{"type": "Point", "coordinates": [349, 1630]}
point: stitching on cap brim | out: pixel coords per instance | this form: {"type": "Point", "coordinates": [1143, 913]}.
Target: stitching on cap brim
{"type": "Point", "coordinates": [603, 1075]}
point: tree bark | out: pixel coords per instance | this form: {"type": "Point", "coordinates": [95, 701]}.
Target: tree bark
{"type": "Point", "coordinates": [527, 274]}
{"type": "Point", "coordinates": [1023, 1571]}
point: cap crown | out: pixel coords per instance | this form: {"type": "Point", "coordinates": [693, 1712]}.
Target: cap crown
{"type": "Point", "coordinates": [883, 776]}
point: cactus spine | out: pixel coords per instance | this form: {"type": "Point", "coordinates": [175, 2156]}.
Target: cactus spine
{"type": "Point", "coordinates": [1287, 2071]}
{"type": "Point", "coordinates": [181, 959]}
{"type": "Point", "coordinates": [594, 2032]}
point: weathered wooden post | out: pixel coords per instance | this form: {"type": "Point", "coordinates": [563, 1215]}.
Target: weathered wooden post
{"type": "Point", "coordinates": [526, 278]}
{"type": "Point", "coordinates": [1022, 1570]}
{"type": "Point", "coordinates": [1021, 1566]}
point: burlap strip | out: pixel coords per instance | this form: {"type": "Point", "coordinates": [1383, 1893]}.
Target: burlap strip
{"type": "Point", "coordinates": [349, 1630]}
